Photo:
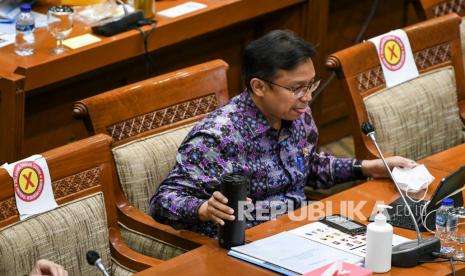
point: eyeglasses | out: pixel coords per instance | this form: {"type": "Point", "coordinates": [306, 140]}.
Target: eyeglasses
{"type": "Point", "coordinates": [300, 91]}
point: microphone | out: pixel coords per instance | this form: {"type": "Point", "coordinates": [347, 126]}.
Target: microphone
{"type": "Point", "coordinates": [409, 253]}
{"type": "Point", "coordinates": [93, 258]}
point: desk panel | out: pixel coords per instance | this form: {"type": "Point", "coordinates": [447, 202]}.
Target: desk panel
{"type": "Point", "coordinates": [37, 92]}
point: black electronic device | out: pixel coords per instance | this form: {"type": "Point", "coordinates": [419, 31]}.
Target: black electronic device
{"type": "Point", "coordinates": [122, 24]}
{"type": "Point", "coordinates": [235, 188]}
{"type": "Point", "coordinates": [450, 186]}
{"type": "Point", "coordinates": [344, 224]}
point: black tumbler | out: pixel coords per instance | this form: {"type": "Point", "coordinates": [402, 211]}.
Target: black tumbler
{"type": "Point", "coordinates": [234, 187]}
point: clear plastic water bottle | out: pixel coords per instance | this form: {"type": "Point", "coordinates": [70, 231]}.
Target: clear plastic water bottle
{"type": "Point", "coordinates": [442, 229]}
{"type": "Point", "coordinates": [25, 40]}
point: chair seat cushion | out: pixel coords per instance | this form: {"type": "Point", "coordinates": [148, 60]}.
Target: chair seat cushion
{"type": "Point", "coordinates": [144, 163]}
{"type": "Point", "coordinates": [417, 118]}
{"type": "Point", "coordinates": [62, 235]}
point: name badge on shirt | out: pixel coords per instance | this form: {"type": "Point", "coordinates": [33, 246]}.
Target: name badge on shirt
{"type": "Point", "coordinates": [300, 163]}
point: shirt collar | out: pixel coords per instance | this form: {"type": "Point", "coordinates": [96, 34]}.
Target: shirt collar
{"type": "Point", "coordinates": [254, 118]}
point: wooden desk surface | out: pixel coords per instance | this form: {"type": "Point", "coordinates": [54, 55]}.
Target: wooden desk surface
{"type": "Point", "coordinates": [42, 68]}
{"type": "Point", "coordinates": [210, 259]}
{"type": "Point", "coordinates": [449, 160]}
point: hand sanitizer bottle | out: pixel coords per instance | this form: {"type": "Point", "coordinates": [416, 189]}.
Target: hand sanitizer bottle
{"type": "Point", "coordinates": [379, 243]}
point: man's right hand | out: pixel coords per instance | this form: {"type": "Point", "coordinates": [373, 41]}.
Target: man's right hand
{"type": "Point", "coordinates": [215, 209]}
{"type": "Point", "coordinates": [46, 267]}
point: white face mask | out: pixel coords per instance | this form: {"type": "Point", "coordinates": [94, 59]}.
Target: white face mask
{"type": "Point", "coordinates": [412, 180]}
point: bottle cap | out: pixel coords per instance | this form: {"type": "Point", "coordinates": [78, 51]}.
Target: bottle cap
{"type": "Point", "coordinates": [380, 218]}
{"type": "Point", "coordinates": [25, 8]}
{"type": "Point", "coordinates": [447, 202]}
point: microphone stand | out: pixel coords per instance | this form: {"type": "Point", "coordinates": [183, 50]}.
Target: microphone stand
{"type": "Point", "coordinates": [407, 254]}
{"type": "Point", "coordinates": [371, 135]}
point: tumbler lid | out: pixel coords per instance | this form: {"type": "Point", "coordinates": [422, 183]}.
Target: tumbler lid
{"type": "Point", "coordinates": [234, 178]}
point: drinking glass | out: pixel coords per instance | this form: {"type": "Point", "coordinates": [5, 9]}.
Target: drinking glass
{"type": "Point", "coordinates": [60, 24]}
{"type": "Point", "coordinates": [456, 225]}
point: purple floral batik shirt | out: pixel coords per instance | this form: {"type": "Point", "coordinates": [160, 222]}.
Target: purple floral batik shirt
{"type": "Point", "coordinates": [238, 138]}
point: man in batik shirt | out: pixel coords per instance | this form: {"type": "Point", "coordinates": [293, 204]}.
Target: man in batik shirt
{"type": "Point", "coordinates": [267, 133]}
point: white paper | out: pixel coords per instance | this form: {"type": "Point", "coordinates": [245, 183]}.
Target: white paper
{"type": "Point", "coordinates": [262, 263]}
{"type": "Point", "coordinates": [32, 186]}
{"type": "Point", "coordinates": [414, 179]}
{"type": "Point", "coordinates": [9, 9]}
{"type": "Point", "coordinates": [41, 19]}
{"type": "Point", "coordinates": [396, 240]}
{"type": "Point", "coordinates": [6, 39]}
{"type": "Point", "coordinates": [182, 9]}
{"type": "Point", "coordinates": [101, 13]}
{"type": "Point", "coordinates": [80, 41]}
{"type": "Point", "coordinates": [332, 269]}
{"type": "Point", "coordinates": [295, 253]}
{"type": "Point", "coordinates": [324, 234]}
{"type": "Point", "coordinates": [395, 56]}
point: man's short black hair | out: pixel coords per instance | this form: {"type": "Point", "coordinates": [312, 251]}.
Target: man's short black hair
{"type": "Point", "coordinates": [276, 50]}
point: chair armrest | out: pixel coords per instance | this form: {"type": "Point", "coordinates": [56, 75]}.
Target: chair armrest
{"type": "Point", "coordinates": [80, 111]}
{"type": "Point", "coordinates": [128, 257]}
{"type": "Point", "coordinates": [135, 219]}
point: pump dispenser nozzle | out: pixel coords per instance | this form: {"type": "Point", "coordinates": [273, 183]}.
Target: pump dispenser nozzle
{"type": "Point", "coordinates": [380, 217]}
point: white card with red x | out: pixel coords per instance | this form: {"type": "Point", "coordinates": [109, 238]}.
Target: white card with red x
{"type": "Point", "coordinates": [32, 186]}
{"type": "Point", "coordinates": [395, 56]}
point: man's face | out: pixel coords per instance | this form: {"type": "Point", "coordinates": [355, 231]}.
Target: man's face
{"type": "Point", "coordinates": [279, 102]}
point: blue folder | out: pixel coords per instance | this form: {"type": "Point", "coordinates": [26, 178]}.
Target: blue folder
{"type": "Point", "coordinates": [9, 9]}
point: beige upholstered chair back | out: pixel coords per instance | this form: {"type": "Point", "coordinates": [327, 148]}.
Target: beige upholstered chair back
{"type": "Point", "coordinates": [144, 163]}
{"type": "Point", "coordinates": [419, 122]}
{"type": "Point", "coordinates": [82, 175]}
{"type": "Point", "coordinates": [416, 118]}
{"type": "Point", "coordinates": [63, 235]}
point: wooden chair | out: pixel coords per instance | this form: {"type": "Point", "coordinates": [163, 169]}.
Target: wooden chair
{"type": "Point", "coordinates": [434, 8]}
{"type": "Point", "coordinates": [82, 175]}
{"type": "Point", "coordinates": [148, 121]}
{"type": "Point", "coordinates": [416, 118]}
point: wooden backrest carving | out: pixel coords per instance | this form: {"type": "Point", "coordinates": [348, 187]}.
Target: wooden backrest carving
{"type": "Point", "coordinates": [156, 104]}
{"type": "Point", "coordinates": [76, 170]}
{"type": "Point", "coordinates": [435, 8]}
